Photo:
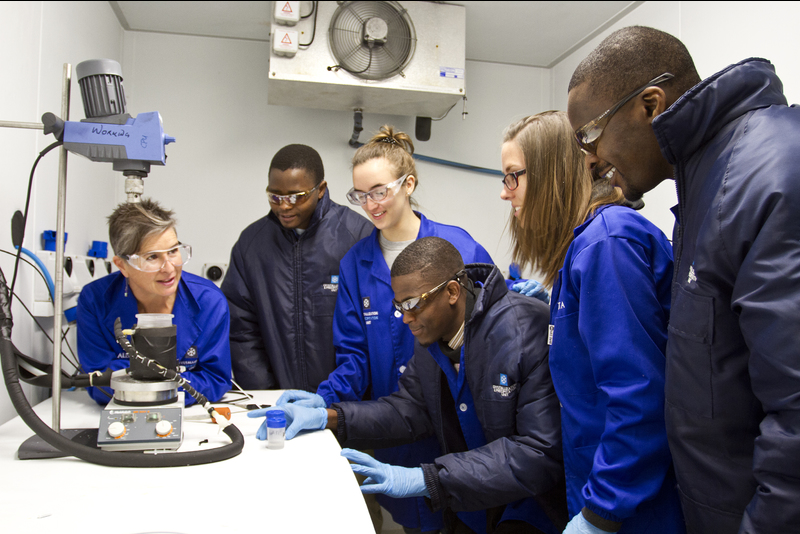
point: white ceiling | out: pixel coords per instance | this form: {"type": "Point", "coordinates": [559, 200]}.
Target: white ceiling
{"type": "Point", "coordinates": [535, 34]}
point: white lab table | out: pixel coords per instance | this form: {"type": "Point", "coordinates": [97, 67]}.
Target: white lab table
{"type": "Point", "coordinates": [306, 487]}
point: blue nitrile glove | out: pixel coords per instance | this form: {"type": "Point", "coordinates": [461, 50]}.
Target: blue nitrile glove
{"type": "Point", "coordinates": [579, 525]}
{"type": "Point", "coordinates": [391, 480]}
{"type": "Point", "coordinates": [298, 397]}
{"type": "Point", "coordinates": [297, 418]}
{"type": "Point", "coordinates": [532, 288]}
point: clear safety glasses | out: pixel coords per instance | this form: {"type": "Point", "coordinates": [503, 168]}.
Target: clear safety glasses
{"type": "Point", "coordinates": [415, 304]}
{"type": "Point", "coordinates": [511, 180]}
{"type": "Point", "coordinates": [294, 198]}
{"type": "Point", "coordinates": [589, 134]}
{"type": "Point", "coordinates": [154, 261]}
{"type": "Point", "coordinates": [379, 194]}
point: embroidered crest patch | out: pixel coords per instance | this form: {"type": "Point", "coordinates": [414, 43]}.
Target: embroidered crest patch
{"type": "Point", "coordinates": [503, 388]}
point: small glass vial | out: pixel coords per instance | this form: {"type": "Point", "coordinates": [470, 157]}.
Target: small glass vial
{"type": "Point", "coordinates": [276, 429]}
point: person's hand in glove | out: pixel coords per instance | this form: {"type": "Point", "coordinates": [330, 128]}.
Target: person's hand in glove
{"type": "Point", "coordinates": [297, 418]}
{"type": "Point", "coordinates": [532, 288]}
{"type": "Point", "coordinates": [391, 480]}
{"type": "Point", "coordinates": [299, 397]}
{"type": "Point", "coordinates": [579, 525]}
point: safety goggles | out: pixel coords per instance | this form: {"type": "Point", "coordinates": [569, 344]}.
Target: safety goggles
{"type": "Point", "coordinates": [294, 198]}
{"type": "Point", "coordinates": [154, 261]}
{"type": "Point", "coordinates": [589, 134]}
{"type": "Point", "coordinates": [379, 194]}
{"type": "Point", "coordinates": [415, 304]}
{"type": "Point", "coordinates": [511, 180]}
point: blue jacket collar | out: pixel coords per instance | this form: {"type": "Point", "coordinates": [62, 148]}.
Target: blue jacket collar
{"type": "Point", "coordinates": [185, 308]}
{"type": "Point", "coordinates": [700, 113]}
{"type": "Point", "coordinates": [492, 286]}
{"type": "Point", "coordinates": [374, 254]}
{"type": "Point", "coordinates": [579, 230]}
{"type": "Point", "coordinates": [322, 208]}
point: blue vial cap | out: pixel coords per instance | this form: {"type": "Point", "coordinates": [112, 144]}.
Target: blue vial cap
{"type": "Point", "coordinates": [276, 419]}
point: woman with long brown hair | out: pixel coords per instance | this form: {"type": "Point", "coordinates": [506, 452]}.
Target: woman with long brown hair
{"type": "Point", "coordinates": [610, 271]}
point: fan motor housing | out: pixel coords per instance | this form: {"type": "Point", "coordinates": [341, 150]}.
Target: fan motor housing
{"type": "Point", "coordinates": [398, 58]}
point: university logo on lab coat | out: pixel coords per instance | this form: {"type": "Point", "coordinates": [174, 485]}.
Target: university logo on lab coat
{"type": "Point", "coordinates": [189, 360]}
{"type": "Point", "coordinates": [503, 388]}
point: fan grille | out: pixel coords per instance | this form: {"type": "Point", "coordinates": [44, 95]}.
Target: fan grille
{"type": "Point", "coordinates": [373, 59]}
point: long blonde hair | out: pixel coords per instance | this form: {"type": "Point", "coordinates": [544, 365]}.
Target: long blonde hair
{"type": "Point", "coordinates": [559, 192]}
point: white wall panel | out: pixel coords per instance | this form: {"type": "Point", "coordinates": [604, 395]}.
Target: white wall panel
{"type": "Point", "coordinates": [36, 39]}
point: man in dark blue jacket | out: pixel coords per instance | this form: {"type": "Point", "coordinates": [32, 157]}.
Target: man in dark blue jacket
{"type": "Point", "coordinates": [733, 372]}
{"type": "Point", "coordinates": [480, 382]}
{"type": "Point", "coordinates": [283, 276]}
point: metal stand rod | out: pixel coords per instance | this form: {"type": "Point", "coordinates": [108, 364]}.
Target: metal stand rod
{"type": "Point", "coordinates": [58, 298]}
{"type": "Point", "coordinates": [29, 125]}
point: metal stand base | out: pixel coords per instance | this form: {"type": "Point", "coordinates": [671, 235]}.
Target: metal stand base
{"type": "Point", "coordinates": [35, 448]}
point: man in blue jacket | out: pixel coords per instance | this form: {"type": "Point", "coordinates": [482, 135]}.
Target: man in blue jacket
{"type": "Point", "coordinates": [283, 278]}
{"type": "Point", "coordinates": [732, 378]}
{"type": "Point", "coordinates": [479, 381]}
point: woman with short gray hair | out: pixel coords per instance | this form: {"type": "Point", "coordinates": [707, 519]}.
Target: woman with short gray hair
{"type": "Point", "coordinates": [150, 279]}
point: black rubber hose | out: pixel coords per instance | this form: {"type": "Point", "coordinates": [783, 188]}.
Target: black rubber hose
{"type": "Point", "coordinates": [90, 454]}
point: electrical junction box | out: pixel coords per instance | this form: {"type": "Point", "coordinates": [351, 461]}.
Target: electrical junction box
{"type": "Point", "coordinates": [287, 13]}
{"type": "Point", "coordinates": [284, 42]}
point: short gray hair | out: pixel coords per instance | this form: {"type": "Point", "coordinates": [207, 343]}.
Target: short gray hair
{"type": "Point", "coordinates": [131, 223]}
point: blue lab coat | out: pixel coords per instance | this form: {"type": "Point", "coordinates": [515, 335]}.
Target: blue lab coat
{"type": "Point", "coordinates": [202, 319]}
{"type": "Point", "coordinates": [609, 311]}
{"type": "Point", "coordinates": [373, 346]}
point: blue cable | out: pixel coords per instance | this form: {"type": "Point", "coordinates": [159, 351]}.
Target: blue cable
{"type": "Point", "coordinates": [457, 165]}
{"type": "Point", "coordinates": [448, 163]}
{"type": "Point", "coordinates": [50, 285]}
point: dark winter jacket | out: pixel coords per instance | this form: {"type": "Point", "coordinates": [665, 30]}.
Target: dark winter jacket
{"type": "Point", "coordinates": [733, 363]}
{"type": "Point", "coordinates": [281, 288]}
{"type": "Point", "coordinates": [505, 336]}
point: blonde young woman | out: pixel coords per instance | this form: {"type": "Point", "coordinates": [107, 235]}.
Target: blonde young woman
{"type": "Point", "coordinates": [372, 343]}
{"type": "Point", "coordinates": [610, 272]}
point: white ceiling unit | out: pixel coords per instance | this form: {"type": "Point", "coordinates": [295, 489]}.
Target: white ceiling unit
{"type": "Point", "coordinates": [398, 58]}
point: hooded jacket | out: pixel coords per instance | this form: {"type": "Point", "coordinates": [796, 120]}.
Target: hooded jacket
{"type": "Point", "coordinates": [506, 336]}
{"type": "Point", "coordinates": [281, 287]}
{"type": "Point", "coordinates": [733, 371]}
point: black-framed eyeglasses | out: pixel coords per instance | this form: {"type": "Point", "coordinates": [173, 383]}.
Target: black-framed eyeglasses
{"type": "Point", "coordinates": [589, 134]}
{"type": "Point", "coordinates": [415, 304]}
{"type": "Point", "coordinates": [511, 180]}
{"type": "Point", "coordinates": [294, 198]}
{"type": "Point", "coordinates": [378, 194]}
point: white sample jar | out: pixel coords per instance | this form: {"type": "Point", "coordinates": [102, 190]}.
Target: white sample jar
{"type": "Point", "coordinates": [276, 429]}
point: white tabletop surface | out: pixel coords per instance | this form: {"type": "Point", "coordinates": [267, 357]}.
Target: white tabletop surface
{"type": "Point", "coordinates": [306, 487]}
